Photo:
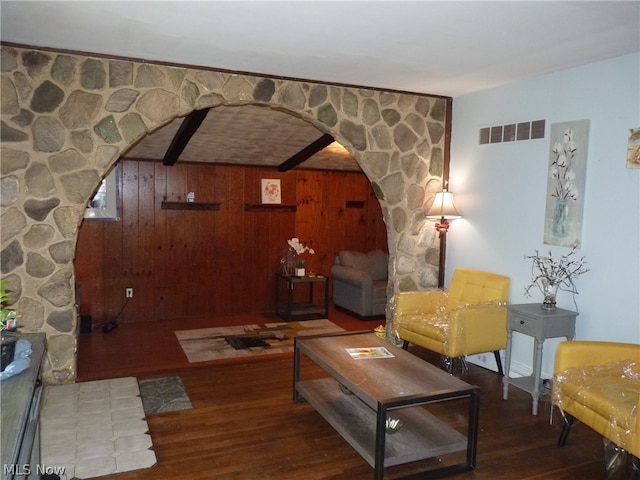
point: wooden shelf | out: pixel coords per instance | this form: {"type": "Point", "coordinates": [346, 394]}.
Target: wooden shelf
{"type": "Point", "coordinates": [248, 207]}
{"type": "Point", "coordinates": [422, 435]}
{"type": "Point", "coordinates": [189, 206]}
{"type": "Point", "coordinates": [527, 384]}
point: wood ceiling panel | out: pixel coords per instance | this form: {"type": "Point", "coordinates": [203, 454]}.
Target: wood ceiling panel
{"type": "Point", "coordinates": [246, 135]}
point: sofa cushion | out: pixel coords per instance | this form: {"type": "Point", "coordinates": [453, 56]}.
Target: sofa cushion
{"type": "Point", "coordinates": [375, 263]}
{"type": "Point", "coordinates": [349, 258]}
{"type": "Point", "coordinates": [430, 326]}
{"type": "Point", "coordinates": [607, 390]}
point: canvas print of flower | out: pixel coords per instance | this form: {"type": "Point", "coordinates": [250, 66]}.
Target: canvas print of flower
{"type": "Point", "coordinates": [566, 183]}
{"type": "Point", "coordinates": [271, 193]}
{"type": "Point", "coordinates": [633, 151]}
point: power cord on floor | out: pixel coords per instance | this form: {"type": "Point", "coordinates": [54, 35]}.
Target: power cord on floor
{"type": "Point", "coordinates": [113, 324]}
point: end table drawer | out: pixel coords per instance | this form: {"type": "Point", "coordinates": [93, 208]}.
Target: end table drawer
{"type": "Point", "coordinates": [524, 325]}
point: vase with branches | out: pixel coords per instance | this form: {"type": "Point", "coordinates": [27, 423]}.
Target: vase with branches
{"type": "Point", "coordinates": [551, 275]}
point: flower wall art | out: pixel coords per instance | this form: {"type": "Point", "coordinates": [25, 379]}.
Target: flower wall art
{"type": "Point", "coordinates": [566, 183]}
{"type": "Point", "coordinates": [633, 152]}
{"type": "Point", "coordinates": [270, 191]}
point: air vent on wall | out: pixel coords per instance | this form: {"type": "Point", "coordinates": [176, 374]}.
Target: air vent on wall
{"type": "Point", "coordinates": [512, 132]}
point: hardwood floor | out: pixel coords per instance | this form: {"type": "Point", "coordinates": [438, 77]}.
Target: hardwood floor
{"type": "Point", "coordinates": [244, 424]}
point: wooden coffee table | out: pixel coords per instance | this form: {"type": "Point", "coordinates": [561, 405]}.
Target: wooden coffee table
{"type": "Point", "coordinates": [360, 393]}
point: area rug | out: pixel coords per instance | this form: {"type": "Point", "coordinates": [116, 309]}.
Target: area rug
{"type": "Point", "coordinates": [92, 429]}
{"type": "Point", "coordinates": [205, 344]}
{"type": "Point", "coordinates": [166, 394]}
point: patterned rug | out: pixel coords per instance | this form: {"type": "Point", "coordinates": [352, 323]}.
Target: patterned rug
{"type": "Point", "coordinates": [166, 394]}
{"type": "Point", "coordinates": [205, 344]}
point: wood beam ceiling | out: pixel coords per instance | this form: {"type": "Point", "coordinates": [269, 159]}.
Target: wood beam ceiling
{"type": "Point", "coordinates": [189, 126]}
{"type": "Point", "coordinates": [306, 153]}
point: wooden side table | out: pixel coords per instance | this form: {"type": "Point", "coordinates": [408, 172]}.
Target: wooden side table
{"type": "Point", "coordinates": [308, 309]}
{"type": "Point", "coordinates": [531, 319]}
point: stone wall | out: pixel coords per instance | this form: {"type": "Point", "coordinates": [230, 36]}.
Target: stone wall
{"type": "Point", "coordinates": [66, 119]}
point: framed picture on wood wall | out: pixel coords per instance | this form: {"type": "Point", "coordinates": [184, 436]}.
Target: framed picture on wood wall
{"type": "Point", "coordinates": [271, 193]}
{"type": "Point", "coordinates": [104, 205]}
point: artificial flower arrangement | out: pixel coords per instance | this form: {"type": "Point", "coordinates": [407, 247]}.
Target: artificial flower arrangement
{"type": "Point", "coordinates": [551, 275]}
{"type": "Point", "coordinates": [299, 248]}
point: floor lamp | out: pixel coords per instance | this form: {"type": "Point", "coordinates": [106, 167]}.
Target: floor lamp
{"type": "Point", "coordinates": [442, 211]}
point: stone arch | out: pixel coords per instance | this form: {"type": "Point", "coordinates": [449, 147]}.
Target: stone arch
{"type": "Point", "coordinates": [66, 119]}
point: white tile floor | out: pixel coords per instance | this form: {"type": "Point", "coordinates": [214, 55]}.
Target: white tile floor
{"type": "Point", "coordinates": [95, 428]}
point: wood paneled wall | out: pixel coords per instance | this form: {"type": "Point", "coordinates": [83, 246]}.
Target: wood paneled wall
{"type": "Point", "coordinates": [185, 263]}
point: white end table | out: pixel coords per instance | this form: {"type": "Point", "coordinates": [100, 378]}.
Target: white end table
{"type": "Point", "coordinates": [531, 319]}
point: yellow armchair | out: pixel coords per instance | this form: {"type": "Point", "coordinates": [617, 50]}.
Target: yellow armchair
{"type": "Point", "coordinates": [598, 383]}
{"type": "Point", "coordinates": [470, 318]}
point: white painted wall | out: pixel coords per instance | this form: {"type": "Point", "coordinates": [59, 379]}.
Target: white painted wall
{"type": "Point", "coordinates": [500, 190]}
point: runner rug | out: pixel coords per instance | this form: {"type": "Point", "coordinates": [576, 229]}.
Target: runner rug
{"type": "Point", "coordinates": [205, 344]}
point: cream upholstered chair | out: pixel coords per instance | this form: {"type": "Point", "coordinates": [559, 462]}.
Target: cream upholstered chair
{"type": "Point", "coordinates": [470, 318]}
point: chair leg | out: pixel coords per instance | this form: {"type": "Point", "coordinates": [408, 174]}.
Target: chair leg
{"type": "Point", "coordinates": [465, 365]}
{"type": "Point", "coordinates": [566, 428]}
{"type": "Point", "coordinates": [499, 362]}
{"type": "Point", "coordinates": [446, 364]}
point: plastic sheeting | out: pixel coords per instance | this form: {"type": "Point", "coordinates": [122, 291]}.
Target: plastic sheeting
{"type": "Point", "coordinates": [21, 360]}
{"type": "Point", "coordinates": [605, 397]}
{"type": "Point", "coordinates": [432, 315]}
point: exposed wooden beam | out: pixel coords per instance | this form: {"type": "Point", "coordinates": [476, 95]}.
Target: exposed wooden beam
{"type": "Point", "coordinates": [189, 126]}
{"type": "Point", "coordinates": [306, 153]}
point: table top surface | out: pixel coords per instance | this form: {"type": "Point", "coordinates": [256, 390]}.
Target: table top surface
{"type": "Point", "coordinates": [305, 279]}
{"type": "Point", "coordinates": [379, 379]}
{"type": "Point", "coordinates": [536, 309]}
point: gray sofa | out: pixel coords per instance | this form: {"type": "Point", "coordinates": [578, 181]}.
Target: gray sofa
{"type": "Point", "coordinates": [360, 282]}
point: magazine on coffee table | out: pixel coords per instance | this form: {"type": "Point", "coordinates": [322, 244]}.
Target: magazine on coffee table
{"type": "Point", "coordinates": [369, 352]}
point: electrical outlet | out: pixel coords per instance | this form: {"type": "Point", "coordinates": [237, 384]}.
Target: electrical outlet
{"type": "Point", "coordinates": [129, 292]}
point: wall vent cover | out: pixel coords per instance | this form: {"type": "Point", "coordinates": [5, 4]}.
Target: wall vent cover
{"type": "Point", "coordinates": [512, 132]}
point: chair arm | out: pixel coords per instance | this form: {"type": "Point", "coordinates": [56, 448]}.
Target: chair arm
{"type": "Point", "coordinates": [414, 303]}
{"type": "Point", "coordinates": [477, 329]}
{"type": "Point", "coordinates": [352, 276]}
{"type": "Point", "coordinates": [588, 352]}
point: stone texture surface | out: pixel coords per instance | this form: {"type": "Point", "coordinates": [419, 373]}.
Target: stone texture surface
{"type": "Point", "coordinates": [67, 118]}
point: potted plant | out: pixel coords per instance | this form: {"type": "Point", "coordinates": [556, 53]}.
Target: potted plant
{"type": "Point", "coordinates": [8, 323]}
{"type": "Point", "coordinates": [300, 268]}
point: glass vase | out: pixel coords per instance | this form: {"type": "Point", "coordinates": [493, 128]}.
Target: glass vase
{"type": "Point", "coordinates": [559, 228]}
{"type": "Point", "coordinates": [549, 290]}
{"type": "Point", "coordinates": [288, 261]}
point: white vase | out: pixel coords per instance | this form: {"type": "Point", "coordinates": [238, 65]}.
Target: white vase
{"type": "Point", "coordinates": [300, 272]}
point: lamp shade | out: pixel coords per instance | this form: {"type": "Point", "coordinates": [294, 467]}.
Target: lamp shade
{"type": "Point", "coordinates": [443, 207]}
